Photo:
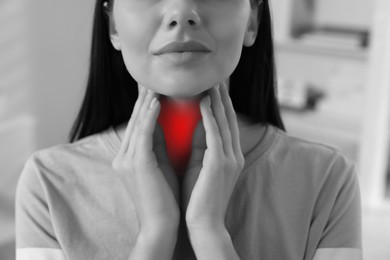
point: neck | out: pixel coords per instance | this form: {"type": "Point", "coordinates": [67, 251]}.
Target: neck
{"type": "Point", "coordinates": [177, 100]}
{"type": "Point", "coordinates": [181, 101]}
{"type": "Point", "coordinates": [249, 134]}
{"type": "Point", "coordinates": [178, 119]}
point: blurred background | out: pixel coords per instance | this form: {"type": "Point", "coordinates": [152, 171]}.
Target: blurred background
{"type": "Point", "coordinates": [333, 66]}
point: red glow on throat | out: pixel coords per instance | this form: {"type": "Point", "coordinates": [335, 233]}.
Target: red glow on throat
{"type": "Point", "coordinates": [178, 122]}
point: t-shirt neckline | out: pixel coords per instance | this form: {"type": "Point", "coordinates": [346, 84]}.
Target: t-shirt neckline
{"type": "Point", "coordinates": [113, 141]}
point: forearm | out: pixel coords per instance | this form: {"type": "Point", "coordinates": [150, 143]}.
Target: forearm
{"type": "Point", "coordinates": [215, 244]}
{"type": "Point", "coordinates": [154, 245]}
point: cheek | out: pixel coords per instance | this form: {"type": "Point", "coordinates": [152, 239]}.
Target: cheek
{"type": "Point", "coordinates": [230, 37]}
{"type": "Point", "coordinates": [134, 38]}
{"type": "Point", "coordinates": [133, 56]}
{"type": "Point", "coordinates": [229, 51]}
{"type": "Point", "coordinates": [226, 28]}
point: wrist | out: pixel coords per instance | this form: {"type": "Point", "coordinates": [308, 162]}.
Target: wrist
{"type": "Point", "coordinates": [204, 228]}
{"type": "Point", "coordinates": [212, 243]}
{"type": "Point", "coordinates": [153, 232]}
{"type": "Point", "coordinates": [154, 244]}
{"type": "Point", "coordinates": [210, 232]}
{"type": "Point", "coordinates": [155, 225]}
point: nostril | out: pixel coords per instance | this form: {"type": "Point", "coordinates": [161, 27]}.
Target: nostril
{"type": "Point", "coordinates": [190, 22]}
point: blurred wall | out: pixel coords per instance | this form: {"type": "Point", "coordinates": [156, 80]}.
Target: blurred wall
{"type": "Point", "coordinates": [346, 13]}
{"type": "Point", "coordinates": [61, 39]}
{"type": "Point", "coordinates": [44, 53]}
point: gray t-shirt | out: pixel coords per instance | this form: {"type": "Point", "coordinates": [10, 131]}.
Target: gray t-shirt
{"type": "Point", "coordinates": [292, 197]}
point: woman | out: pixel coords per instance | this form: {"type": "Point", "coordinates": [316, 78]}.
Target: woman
{"type": "Point", "coordinates": [248, 191]}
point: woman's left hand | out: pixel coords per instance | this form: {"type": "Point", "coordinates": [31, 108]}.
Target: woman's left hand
{"type": "Point", "coordinates": [208, 184]}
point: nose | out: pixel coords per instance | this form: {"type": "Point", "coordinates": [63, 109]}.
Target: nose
{"type": "Point", "coordinates": [183, 14]}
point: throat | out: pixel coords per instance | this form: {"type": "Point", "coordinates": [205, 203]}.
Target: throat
{"type": "Point", "coordinates": [178, 120]}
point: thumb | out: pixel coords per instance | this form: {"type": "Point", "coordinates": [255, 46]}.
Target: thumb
{"type": "Point", "coordinates": [198, 145]}
{"type": "Point", "coordinates": [160, 146]}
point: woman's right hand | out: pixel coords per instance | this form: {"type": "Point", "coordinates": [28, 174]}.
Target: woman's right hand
{"type": "Point", "coordinates": [155, 201]}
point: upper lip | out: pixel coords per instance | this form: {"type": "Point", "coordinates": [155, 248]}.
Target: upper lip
{"type": "Point", "coordinates": [183, 46]}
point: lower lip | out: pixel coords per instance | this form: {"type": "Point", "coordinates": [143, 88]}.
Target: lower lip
{"type": "Point", "coordinates": [184, 57]}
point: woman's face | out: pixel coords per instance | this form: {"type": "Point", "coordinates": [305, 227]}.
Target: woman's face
{"type": "Point", "coordinates": [144, 27]}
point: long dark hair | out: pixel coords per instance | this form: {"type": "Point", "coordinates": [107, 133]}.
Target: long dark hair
{"type": "Point", "coordinates": [112, 92]}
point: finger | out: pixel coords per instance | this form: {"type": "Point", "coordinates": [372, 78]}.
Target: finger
{"type": "Point", "coordinates": [159, 144]}
{"type": "Point", "coordinates": [198, 145]}
{"type": "Point", "coordinates": [130, 126]}
{"type": "Point", "coordinates": [223, 124]}
{"type": "Point", "coordinates": [138, 123]}
{"type": "Point", "coordinates": [196, 158]}
{"type": "Point", "coordinates": [232, 119]}
{"type": "Point", "coordinates": [199, 136]}
{"type": "Point", "coordinates": [213, 138]}
{"type": "Point", "coordinates": [145, 140]}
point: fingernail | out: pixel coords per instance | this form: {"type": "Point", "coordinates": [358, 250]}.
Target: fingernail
{"type": "Point", "coordinates": [208, 101]}
{"type": "Point", "coordinates": [153, 103]}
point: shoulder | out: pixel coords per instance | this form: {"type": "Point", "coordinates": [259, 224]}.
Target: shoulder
{"type": "Point", "coordinates": [303, 153]}
{"type": "Point", "coordinates": [296, 144]}
{"type": "Point", "coordinates": [302, 185]}
{"type": "Point", "coordinates": [317, 170]}
{"type": "Point", "coordinates": [87, 147]}
{"type": "Point", "coordinates": [65, 162]}
{"type": "Point", "coordinates": [93, 147]}
{"type": "Point", "coordinates": [301, 164]}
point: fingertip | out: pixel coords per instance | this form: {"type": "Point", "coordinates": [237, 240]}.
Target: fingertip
{"type": "Point", "coordinates": [206, 101]}
{"type": "Point", "coordinates": [224, 88]}
{"type": "Point", "coordinates": [205, 108]}
{"type": "Point", "coordinates": [155, 109]}
{"type": "Point", "coordinates": [154, 103]}
{"type": "Point", "coordinates": [141, 92]}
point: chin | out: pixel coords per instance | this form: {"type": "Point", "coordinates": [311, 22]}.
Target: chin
{"type": "Point", "coordinates": [177, 91]}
